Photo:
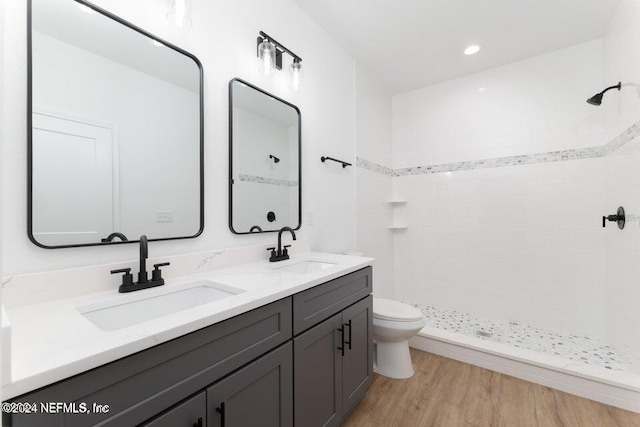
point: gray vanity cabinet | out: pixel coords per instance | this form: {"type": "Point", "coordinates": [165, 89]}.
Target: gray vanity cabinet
{"type": "Point", "coordinates": [357, 363]}
{"type": "Point", "coordinates": [317, 373]}
{"type": "Point", "coordinates": [190, 413]}
{"type": "Point", "coordinates": [333, 358]}
{"type": "Point", "coordinates": [258, 395]}
{"type": "Point", "coordinates": [304, 360]}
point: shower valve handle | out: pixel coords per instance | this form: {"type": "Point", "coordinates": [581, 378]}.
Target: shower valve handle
{"type": "Point", "coordinates": [619, 217]}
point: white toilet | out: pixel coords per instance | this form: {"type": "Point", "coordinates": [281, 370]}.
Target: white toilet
{"type": "Point", "coordinates": [394, 323]}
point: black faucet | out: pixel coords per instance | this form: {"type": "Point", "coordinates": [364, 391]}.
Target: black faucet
{"type": "Point", "coordinates": [282, 253]}
{"type": "Point", "coordinates": [143, 278]}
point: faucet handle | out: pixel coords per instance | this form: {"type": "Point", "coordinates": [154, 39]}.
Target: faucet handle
{"type": "Point", "coordinates": [127, 277]}
{"type": "Point", "coordinates": [156, 274]}
{"type": "Point", "coordinates": [284, 250]}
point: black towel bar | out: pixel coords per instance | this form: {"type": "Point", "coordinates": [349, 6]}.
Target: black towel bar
{"type": "Point", "coordinates": [344, 164]}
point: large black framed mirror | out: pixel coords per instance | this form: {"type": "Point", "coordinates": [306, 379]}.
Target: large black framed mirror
{"type": "Point", "coordinates": [265, 172]}
{"type": "Point", "coordinates": [115, 130]}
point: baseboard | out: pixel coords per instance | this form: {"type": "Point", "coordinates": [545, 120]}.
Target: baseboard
{"type": "Point", "coordinates": [607, 393]}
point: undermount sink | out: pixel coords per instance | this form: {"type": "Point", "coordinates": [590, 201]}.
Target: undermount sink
{"type": "Point", "coordinates": [305, 267]}
{"type": "Point", "coordinates": [124, 314]}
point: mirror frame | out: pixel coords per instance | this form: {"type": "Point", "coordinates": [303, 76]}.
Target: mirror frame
{"type": "Point", "coordinates": [239, 80]}
{"type": "Point", "coordinates": [30, 127]}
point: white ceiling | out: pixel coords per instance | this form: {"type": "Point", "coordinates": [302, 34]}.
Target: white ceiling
{"type": "Point", "coordinates": [410, 44]}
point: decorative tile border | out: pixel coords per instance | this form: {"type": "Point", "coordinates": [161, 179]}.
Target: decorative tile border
{"type": "Point", "coordinates": [526, 159]}
{"type": "Point", "coordinates": [374, 167]}
{"type": "Point", "coordinates": [627, 136]}
{"type": "Point", "coordinates": [269, 181]}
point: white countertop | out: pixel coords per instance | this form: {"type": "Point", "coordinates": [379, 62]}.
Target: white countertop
{"type": "Point", "coordinates": [52, 341]}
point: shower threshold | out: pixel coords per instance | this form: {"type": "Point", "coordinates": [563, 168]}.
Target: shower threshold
{"type": "Point", "coordinates": [578, 365]}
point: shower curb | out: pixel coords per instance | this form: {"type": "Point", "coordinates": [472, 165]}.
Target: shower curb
{"type": "Point", "coordinates": [624, 395]}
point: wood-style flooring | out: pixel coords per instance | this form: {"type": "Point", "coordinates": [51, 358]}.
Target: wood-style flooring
{"type": "Point", "coordinates": [445, 392]}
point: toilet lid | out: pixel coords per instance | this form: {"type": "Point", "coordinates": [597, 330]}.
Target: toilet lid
{"type": "Point", "coordinates": [386, 309]}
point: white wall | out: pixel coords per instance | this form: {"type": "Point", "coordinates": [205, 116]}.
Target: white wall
{"type": "Point", "coordinates": [518, 243]}
{"type": "Point", "coordinates": [622, 63]}
{"type": "Point", "coordinates": [373, 143]}
{"type": "Point", "coordinates": [223, 37]}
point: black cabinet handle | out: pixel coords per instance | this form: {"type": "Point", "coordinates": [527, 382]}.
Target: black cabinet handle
{"type": "Point", "coordinates": [199, 423]}
{"type": "Point", "coordinates": [349, 342]}
{"type": "Point", "coordinates": [221, 411]}
{"type": "Point", "coordinates": [342, 340]}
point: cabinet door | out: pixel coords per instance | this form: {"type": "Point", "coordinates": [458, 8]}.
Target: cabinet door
{"type": "Point", "coordinates": [191, 413]}
{"type": "Point", "coordinates": [357, 363]}
{"type": "Point", "coordinates": [318, 375]}
{"type": "Point", "coordinates": [258, 395]}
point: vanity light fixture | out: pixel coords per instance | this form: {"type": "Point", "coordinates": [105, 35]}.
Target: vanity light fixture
{"type": "Point", "coordinates": [267, 55]}
{"type": "Point", "coordinates": [180, 13]}
{"type": "Point", "coordinates": [295, 74]}
{"type": "Point", "coordinates": [270, 59]}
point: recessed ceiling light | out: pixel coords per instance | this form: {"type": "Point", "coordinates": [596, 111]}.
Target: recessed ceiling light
{"type": "Point", "coordinates": [471, 50]}
{"type": "Point", "coordinates": [85, 8]}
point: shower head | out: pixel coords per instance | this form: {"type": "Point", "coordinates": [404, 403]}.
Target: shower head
{"type": "Point", "coordinates": [597, 98]}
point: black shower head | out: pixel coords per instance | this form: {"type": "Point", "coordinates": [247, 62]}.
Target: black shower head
{"type": "Point", "coordinates": [597, 98]}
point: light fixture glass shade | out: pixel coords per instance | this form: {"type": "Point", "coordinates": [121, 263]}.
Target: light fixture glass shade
{"type": "Point", "coordinates": [267, 57]}
{"type": "Point", "coordinates": [180, 13]}
{"type": "Point", "coordinates": [295, 75]}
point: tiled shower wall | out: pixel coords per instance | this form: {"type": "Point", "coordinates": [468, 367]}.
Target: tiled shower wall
{"type": "Point", "coordinates": [622, 63]}
{"type": "Point", "coordinates": [516, 243]}
{"type": "Point", "coordinates": [374, 190]}
{"type": "Point", "coordinates": [511, 238]}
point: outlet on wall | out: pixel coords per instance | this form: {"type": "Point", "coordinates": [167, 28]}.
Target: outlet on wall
{"type": "Point", "coordinates": [164, 216]}
{"type": "Point", "coordinates": [309, 217]}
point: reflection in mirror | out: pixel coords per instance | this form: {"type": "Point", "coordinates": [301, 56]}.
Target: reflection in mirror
{"type": "Point", "coordinates": [264, 187]}
{"type": "Point", "coordinates": [116, 140]}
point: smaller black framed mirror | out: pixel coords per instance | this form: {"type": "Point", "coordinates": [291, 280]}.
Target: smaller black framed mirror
{"type": "Point", "coordinates": [265, 172]}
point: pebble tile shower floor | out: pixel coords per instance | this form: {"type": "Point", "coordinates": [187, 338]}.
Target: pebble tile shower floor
{"type": "Point", "coordinates": [581, 349]}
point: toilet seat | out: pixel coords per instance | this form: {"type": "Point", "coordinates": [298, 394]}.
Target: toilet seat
{"type": "Point", "coordinates": [386, 309]}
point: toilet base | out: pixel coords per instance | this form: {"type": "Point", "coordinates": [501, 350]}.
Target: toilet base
{"type": "Point", "coordinates": [392, 359]}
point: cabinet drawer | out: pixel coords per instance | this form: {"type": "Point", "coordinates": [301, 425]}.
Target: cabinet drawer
{"type": "Point", "coordinates": [320, 302]}
{"type": "Point", "coordinates": [144, 384]}
{"type": "Point", "coordinates": [192, 412]}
